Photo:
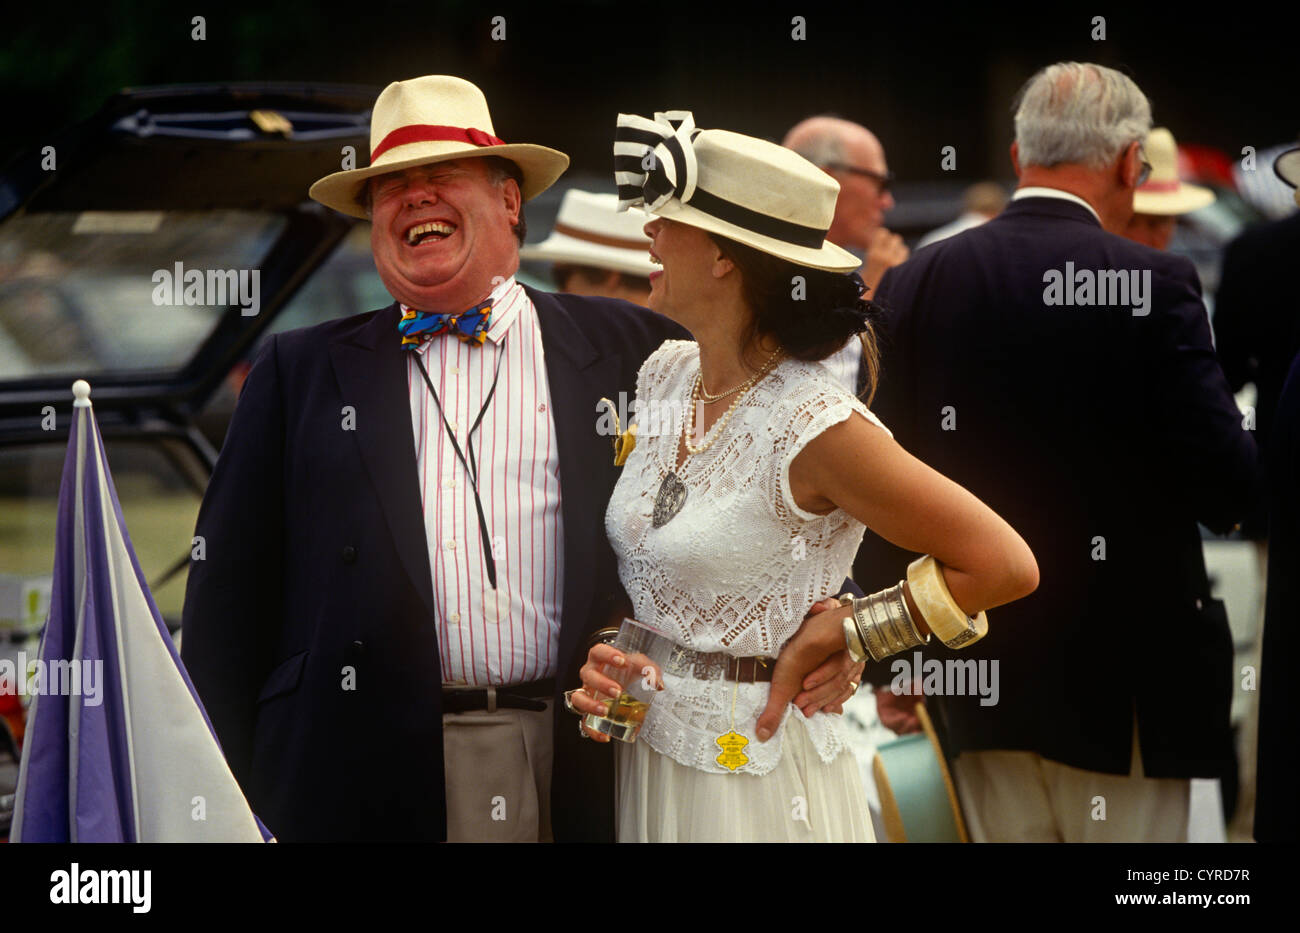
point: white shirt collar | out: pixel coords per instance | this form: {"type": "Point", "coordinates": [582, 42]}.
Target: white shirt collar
{"type": "Point", "coordinates": [1038, 191]}
{"type": "Point", "coordinates": [507, 300]}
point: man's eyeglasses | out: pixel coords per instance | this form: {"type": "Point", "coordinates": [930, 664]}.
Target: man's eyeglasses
{"type": "Point", "coordinates": [884, 181]}
{"type": "Point", "coordinates": [1145, 172]}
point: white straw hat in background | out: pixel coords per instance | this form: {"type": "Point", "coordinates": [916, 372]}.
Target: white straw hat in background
{"type": "Point", "coordinates": [1165, 193]}
{"type": "Point", "coordinates": [590, 230]}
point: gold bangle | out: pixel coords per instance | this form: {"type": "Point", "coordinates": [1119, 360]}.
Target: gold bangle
{"type": "Point", "coordinates": [942, 614]}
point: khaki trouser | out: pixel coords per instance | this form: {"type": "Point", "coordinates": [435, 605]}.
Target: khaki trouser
{"type": "Point", "coordinates": [498, 771]}
{"type": "Point", "coordinates": [1022, 797]}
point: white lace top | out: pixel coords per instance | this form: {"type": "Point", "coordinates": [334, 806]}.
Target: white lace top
{"type": "Point", "coordinates": [736, 569]}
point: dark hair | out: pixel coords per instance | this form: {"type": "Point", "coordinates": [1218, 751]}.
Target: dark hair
{"type": "Point", "coordinates": [812, 313]}
{"type": "Point", "coordinates": [499, 170]}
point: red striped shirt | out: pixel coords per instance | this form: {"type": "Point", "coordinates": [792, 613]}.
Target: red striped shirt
{"type": "Point", "coordinates": [508, 636]}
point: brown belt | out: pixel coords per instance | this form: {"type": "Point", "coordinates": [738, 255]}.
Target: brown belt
{"type": "Point", "coordinates": [718, 666]}
{"type": "Point", "coordinates": [750, 670]}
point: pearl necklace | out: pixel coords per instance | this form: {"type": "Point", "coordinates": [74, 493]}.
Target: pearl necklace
{"type": "Point", "coordinates": [762, 370]}
{"type": "Point", "coordinates": [672, 491]}
{"type": "Point", "coordinates": [716, 431]}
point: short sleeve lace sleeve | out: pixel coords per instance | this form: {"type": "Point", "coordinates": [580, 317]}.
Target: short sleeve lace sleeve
{"type": "Point", "coordinates": [822, 405]}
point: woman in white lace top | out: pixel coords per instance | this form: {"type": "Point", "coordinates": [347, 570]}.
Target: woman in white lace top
{"type": "Point", "coordinates": [753, 478]}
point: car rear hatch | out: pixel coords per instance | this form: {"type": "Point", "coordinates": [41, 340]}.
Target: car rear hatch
{"type": "Point", "coordinates": [161, 184]}
{"type": "Point", "coordinates": [147, 248]}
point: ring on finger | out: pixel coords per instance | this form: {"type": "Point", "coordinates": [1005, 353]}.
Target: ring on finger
{"type": "Point", "coordinates": [568, 701]}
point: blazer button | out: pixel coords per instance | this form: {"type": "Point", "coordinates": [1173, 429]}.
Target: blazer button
{"type": "Point", "coordinates": [349, 554]}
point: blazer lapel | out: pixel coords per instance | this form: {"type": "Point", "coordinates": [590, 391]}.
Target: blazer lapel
{"type": "Point", "coordinates": [372, 379]}
{"type": "Point", "coordinates": [578, 376]}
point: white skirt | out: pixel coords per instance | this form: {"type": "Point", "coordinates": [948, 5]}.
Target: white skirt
{"type": "Point", "coordinates": [802, 799]}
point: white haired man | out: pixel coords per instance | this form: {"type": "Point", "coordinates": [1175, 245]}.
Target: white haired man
{"type": "Point", "coordinates": [1012, 365]}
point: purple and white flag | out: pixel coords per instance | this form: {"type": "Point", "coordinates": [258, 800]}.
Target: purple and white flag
{"type": "Point", "coordinates": [118, 746]}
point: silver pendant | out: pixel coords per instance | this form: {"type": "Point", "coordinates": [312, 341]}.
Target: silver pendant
{"type": "Point", "coordinates": [669, 500]}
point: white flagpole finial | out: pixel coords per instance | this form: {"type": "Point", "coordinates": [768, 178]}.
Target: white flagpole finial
{"type": "Point", "coordinates": [81, 392]}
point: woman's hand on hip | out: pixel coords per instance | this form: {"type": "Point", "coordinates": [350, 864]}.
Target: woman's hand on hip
{"type": "Point", "coordinates": [814, 650]}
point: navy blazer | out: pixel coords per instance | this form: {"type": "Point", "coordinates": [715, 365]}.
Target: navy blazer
{"type": "Point", "coordinates": [1257, 325]}
{"type": "Point", "coordinates": [315, 560]}
{"type": "Point", "coordinates": [1102, 436]}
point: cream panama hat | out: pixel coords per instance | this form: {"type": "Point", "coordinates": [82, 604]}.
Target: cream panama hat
{"type": "Point", "coordinates": [436, 118]}
{"type": "Point", "coordinates": [749, 190]}
{"type": "Point", "coordinates": [591, 231]}
{"type": "Point", "coordinates": [1164, 193]}
{"type": "Point", "coordinates": [1287, 167]}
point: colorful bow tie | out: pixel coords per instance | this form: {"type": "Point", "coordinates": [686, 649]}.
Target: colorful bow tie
{"type": "Point", "coordinates": [470, 326]}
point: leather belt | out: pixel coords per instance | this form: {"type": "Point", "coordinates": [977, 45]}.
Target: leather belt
{"type": "Point", "coordinates": [719, 666]}
{"type": "Point", "coordinates": [530, 696]}
{"type": "Point", "coordinates": [708, 665]}
{"type": "Point", "coordinates": [751, 670]}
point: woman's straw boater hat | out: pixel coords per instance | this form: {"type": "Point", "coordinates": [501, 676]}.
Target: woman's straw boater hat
{"type": "Point", "coordinates": [590, 230]}
{"type": "Point", "coordinates": [749, 190]}
{"type": "Point", "coordinates": [1165, 193]}
{"type": "Point", "coordinates": [432, 119]}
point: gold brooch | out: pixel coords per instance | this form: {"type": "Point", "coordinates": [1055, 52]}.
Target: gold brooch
{"type": "Point", "coordinates": [624, 441]}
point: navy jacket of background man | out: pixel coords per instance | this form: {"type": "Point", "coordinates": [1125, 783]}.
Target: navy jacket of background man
{"type": "Point", "coordinates": [1102, 437]}
{"type": "Point", "coordinates": [316, 560]}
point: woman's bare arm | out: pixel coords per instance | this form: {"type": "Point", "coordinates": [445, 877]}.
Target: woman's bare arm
{"type": "Point", "coordinates": [858, 467]}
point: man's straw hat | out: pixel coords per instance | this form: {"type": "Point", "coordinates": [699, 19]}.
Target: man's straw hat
{"type": "Point", "coordinates": [1164, 192]}
{"type": "Point", "coordinates": [433, 119]}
